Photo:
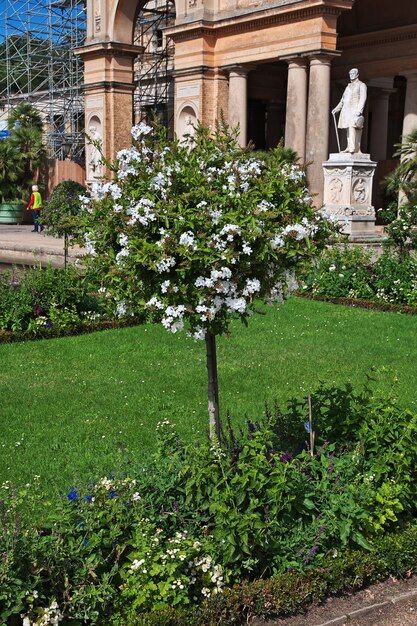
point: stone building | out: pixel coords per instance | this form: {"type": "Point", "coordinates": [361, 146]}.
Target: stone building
{"type": "Point", "coordinates": [276, 68]}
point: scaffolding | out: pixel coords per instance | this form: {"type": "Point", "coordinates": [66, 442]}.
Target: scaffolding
{"type": "Point", "coordinates": [154, 93]}
{"type": "Point", "coordinates": [41, 68]}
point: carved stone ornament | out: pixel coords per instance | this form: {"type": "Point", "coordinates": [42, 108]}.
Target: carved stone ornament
{"type": "Point", "coordinates": [192, 3]}
{"type": "Point", "coordinates": [336, 171]}
{"type": "Point", "coordinates": [348, 192]}
{"type": "Point", "coordinates": [336, 187]}
{"type": "Point", "coordinates": [360, 192]}
{"type": "Point", "coordinates": [349, 211]}
{"type": "Point", "coordinates": [97, 16]}
{"type": "Point", "coordinates": [363, 172]}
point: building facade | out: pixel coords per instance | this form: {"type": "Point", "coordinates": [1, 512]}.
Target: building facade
{"type": "Point", "coordinates": [276, 68]}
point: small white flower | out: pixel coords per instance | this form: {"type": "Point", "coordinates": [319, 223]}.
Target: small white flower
{"type": "Point", "coordinates": [140, 130]}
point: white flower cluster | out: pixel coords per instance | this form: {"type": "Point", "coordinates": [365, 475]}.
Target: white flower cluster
{"type": "Point", "coordinates": [187, 239]}
{"type": "Point", "coordinates": [124, 249]}
{"type": "Point", "coordinates": [127, 162]}
{"type": "Point", "coordinates": [173, 318]}
{"type": "Point", "coordinates": [165, 264]}
{"type": "Point", "coordinates": [141, 212]}
{"type": "Point", "coordinates": [293, 172]}
{"type": "Point", "coordinates": [140, 130]}
{"type": "Point", "coordinates": [136, 564]}
{"type": "Point", "coordinates": [297, 231]}
{"type": "Point", "coordinates": [51, 617]}
{"type": "Point", "coordinates": [215, 572]}
{"type": "Point", "coordinates": [89, 243]}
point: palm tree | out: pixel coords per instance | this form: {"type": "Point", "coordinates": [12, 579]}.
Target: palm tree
{"type": "Point", "coordinates": [11, 171]}
{"type": "Point", "coordinates": [24, 115]}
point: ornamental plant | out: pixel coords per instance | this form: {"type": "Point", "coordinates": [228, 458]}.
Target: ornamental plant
{"type": "Point", "coordinates": [61, 211]}
{"type": "Point", "coordinates": [21, 154]}
{"type": "Point", "coordinates": [195, 231]}
{"type": "Point", "coordinates": [401, 188]}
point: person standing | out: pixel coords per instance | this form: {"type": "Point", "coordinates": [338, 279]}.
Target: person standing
{"type": "Point", "coordinates": [35, 204]}
{"type": "Point", "coordinates": [351, 108]}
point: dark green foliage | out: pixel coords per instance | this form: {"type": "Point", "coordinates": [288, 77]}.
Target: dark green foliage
{"type": "Point", "coordinates": [22, 153]}
{"type": "Point", "coordinates": [290, 593]}
{"type": "Point", "coordinates": [401, 187]}
{"type": "Point", "coordinates": [351, 273]}
{"type": "Point", "coordinates": [60, 213]}
{"type": "Point", "coordinates": [39, 300]}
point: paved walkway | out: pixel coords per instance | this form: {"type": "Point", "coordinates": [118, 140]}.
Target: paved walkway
{"type": "Point", "coordinates": [20, 246]}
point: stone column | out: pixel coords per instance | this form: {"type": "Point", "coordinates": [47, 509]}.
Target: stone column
{"type": "Point", "coordinates": [318, 114]}
{"type": "Point", "coordinates": [380, 106]}
{"type": "Point", "coordinates": [410, 108]}
{"type": "Point", "coordinates": [238, 101]}
{"type": "Point", "coordinates": [296, 116]}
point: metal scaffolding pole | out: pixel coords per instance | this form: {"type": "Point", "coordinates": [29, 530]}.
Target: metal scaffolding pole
{"type": "Point", "coordinates": [154, 94]}
{"type": "Point", "coordinates": [39, 39]}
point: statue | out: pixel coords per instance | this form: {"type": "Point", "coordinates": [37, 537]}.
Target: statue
{"type": "Point", "coordinates": [95, 154]}
{"type": "Point", "coordinates": [351, 108]}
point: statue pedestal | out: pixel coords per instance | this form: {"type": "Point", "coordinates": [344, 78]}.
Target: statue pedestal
{"type": "Point", "coordinates": [348, 191]}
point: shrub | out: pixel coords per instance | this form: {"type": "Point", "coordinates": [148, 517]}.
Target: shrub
{"type": "Point", "coordinates": [351, 273]}
{"type": "Point", "coordinates": [197, 519]}
{"type": "Point", "coordinates": [53, 299]}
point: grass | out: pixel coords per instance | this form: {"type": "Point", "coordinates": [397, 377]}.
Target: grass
{"type": "Point", "coordinates": [76, 408]}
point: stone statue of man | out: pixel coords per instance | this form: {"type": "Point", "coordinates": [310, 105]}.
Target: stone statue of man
{"type": "Point", "coordinates": [351, 108]}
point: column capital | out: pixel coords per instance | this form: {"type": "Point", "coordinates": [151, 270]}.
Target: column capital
{"type": "Point", "coordinates": [294, 61]}
{"type": "Point", "coordinates": [321, 57]}
{"type": "Point", "coordinates": [238, 70]}
{"type": "Point", "coordinates": [411, 76]}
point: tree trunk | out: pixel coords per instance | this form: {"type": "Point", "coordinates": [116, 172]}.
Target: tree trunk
{"type": "Point", "coordinates": [65, 250]}
{"type": "Point", "coordinates": [213, 389]}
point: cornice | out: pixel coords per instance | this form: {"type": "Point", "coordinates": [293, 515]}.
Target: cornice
{"type": "Point", "coordinates": [108, 48]}
{"type": "Point", "coordinates": [378, 38]}
{"type": "Point", "coordinates": [251, 22]}
{"type": "Point", "coordinates": [109, 85]}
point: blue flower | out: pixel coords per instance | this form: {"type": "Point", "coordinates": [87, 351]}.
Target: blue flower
{"type": "Point", "coordinates": [112, 494]}
{"type": "Point", "coordinates": [72, 494]}
{"type": "Point", "coordinates": [88, 498]}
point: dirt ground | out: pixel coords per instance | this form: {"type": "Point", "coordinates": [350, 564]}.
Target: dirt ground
{"type": "Point", "coordinates": [401, 613]}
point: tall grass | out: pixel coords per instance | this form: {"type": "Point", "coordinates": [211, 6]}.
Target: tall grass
{"type": "Point", "coordinates": [77, 408]}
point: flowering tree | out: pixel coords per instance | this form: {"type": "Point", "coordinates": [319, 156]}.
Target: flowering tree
{"type": "Point", "coordinates": [196, 230]}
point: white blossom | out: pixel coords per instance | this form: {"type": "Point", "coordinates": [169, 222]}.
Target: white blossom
{"type": "Point", "coordinates": [89, 243]}
{"type": "Point", "coordinates": [264, 205]}
{"type": "Point", "coordinates": [277, 242]}
{"type": "Point", "coordinates": [246, 249]}
{"type": "Point", "coordinates": [136, 564]}
{"type": "Point", "coordinates": [187, 239]}
{"type": "Point", "coordinates": [252, 286]}
{"type": "Point", "coordinates": [140, 130]}
{"type": "Point", "coordinates": [154, 302]}
{"type": "Point", "coordinates": [165, 264]}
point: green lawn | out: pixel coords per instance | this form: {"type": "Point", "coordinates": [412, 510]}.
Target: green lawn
{"type": "Point", "coordinates": [77, 407]}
